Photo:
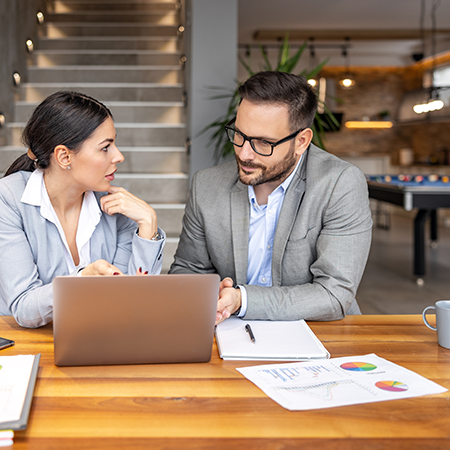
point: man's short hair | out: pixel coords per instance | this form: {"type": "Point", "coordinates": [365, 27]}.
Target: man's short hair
{"type": "Point", "coordinates": [283, 88]}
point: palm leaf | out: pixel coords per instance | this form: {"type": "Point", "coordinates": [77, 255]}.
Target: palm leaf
{"type": "Point", "coordinates": [268, 66]}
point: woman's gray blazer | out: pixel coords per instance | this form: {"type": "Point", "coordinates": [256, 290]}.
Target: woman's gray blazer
{"type": "Point", "coordinates": [32, 253]}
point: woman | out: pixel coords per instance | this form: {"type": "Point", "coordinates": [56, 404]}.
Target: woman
{"type": "Point", "coordinates": [59, 213]}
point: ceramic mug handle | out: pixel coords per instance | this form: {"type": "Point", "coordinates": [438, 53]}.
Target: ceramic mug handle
{"type": "Point", "coordinates": [424, 317]}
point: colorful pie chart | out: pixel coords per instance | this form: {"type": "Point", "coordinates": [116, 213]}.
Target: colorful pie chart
{"type": "Point", "coordinates": [358, 366]}
{"type": "Point", "coordinates": [393, 386]}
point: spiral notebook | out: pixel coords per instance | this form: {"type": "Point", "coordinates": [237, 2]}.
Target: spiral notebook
{"type": "Point", "coordinates": [273, 341]}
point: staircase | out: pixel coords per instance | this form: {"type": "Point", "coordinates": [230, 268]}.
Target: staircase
{"type": "Point", "coordinates": [126, 54]}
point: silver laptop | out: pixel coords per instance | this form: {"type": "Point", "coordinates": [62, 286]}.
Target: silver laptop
{"type": "Point", "coordinates": [134, 319]}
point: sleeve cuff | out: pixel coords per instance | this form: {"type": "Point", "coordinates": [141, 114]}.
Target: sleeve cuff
{"type": "Point", "coordinates": [243, 310]}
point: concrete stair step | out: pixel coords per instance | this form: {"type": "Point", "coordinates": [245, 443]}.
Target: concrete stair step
{"type": "Point", "coordinates": [107, 92]}
{"type": "Point", "coordinates": [106, 74]}
{"type": "Point", "coordinates": [155, 188]}
{"type": "Point", "coordinates": [127, 112]}
{"type": "Point", "coordinates": [119, 2]}
{"type": "Point", "coordinates": [124, 15]}
{"type": "Point", "coordinates": [60, 30]}
{"type": "Point", "coordinates": [131, 134]}
{"type": "Point", "coordinates": [154, 159]}
{"type": "Point", "coordinates": [45, 58]}
{"type": "Point", "coordinates": [67, 6]}
{"type": "Point", "coordinates": [170, 217]}
{"type": "Point", "coordinates": [167, 44]}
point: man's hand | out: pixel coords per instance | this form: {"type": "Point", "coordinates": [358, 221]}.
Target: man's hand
{"type": "Point", "coordinates": [229, 300]}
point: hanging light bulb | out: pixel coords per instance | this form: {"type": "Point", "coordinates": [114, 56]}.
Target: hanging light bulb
{"type": "Point", "coordinates": [347, 81]}
{"type": "Point", "coordinates": [434, 103]}
{"type": "Point", "coordinates": [312, 60]}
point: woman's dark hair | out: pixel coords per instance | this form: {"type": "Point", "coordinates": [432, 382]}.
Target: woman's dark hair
{"type": "Point", "coordinates": [63, 118]}
{"type": "Point", "coordinates": [283, 88]}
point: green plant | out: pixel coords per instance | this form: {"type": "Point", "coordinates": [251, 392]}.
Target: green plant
{"type": "Point", "coordinates": [323, 122]}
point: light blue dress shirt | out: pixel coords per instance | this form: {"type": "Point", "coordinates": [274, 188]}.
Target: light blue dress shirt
{"type": "Point", "coordinates": [263, 224]}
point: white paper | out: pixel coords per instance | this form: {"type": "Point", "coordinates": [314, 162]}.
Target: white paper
{"type": "Point", "coordinates": [15, 374]}
{"type": "Point", "coordinates": [338, 382]}
{"type": "Point", "coordinates": [275, 340]}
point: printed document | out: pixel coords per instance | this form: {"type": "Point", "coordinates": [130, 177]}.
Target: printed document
{"type": "Point", "coordinates": [338, 382]}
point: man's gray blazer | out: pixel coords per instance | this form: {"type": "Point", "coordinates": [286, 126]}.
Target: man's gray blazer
{"type": "Point", "coordinates": [321, 242]}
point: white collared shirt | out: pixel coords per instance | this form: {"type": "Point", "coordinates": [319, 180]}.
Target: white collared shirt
{"type": "Point", "coordinates": [262, 227]}
{"type": "Point", "coordinates": [36, 194]}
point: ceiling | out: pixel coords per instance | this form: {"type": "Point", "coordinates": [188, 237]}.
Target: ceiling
{"type": "Point", "coordinates": [381, 32]}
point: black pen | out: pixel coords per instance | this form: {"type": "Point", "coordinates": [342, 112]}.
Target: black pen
{"type": "Point", "coordinates": [249, 330]}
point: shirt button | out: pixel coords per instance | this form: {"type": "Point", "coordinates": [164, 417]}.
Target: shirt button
{"type": "Point", "coordinates": [270, 211]}
{"type": "Point", "coordinates": [263, 279]}
{"type": "Point", "coordinates": [268, 246]}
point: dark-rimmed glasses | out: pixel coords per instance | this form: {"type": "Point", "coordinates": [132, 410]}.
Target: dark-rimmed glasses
{"type": "Point", "coordinates": [260, 146]}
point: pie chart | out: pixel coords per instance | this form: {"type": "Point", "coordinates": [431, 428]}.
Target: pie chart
{"type": "Point", "coordinates": [393, 386]}
{"type": "Point", "coordinates": [358, 366]}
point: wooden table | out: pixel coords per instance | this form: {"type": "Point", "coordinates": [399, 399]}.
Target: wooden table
{"type": "Point", "coordinates": [212, 406]}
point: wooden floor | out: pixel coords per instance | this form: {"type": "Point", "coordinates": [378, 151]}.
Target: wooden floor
{"type": "Point", "coordinates": [388, 286]}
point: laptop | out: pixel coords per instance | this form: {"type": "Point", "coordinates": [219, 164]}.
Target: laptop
{"type": "Point", "coordinates": [134, 319]}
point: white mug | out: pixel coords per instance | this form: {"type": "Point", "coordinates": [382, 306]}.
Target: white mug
{"type": "Point", "coordinates": [442, 309]}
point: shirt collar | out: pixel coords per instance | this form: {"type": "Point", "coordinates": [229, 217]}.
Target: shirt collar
{"type": "Point", "coordinates": [36, 194]}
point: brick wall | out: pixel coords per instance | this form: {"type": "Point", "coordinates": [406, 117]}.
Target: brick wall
{"type": "Point", "coordinates": [379, 89]}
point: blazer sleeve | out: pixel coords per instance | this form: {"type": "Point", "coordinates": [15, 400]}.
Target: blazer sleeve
{"type": "Point", "coordinates": [25, 295]}
{"type": "Point", "coordinates": [133, 252]}
{"type": "Point", "coordinates": [341, 250]}
{"type": "Point", "coordinates": [192, 253]}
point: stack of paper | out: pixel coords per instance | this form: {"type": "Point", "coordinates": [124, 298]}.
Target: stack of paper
{"type": "Point", "coordinates": [6, 438]}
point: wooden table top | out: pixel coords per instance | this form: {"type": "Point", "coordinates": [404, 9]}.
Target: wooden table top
{"type": "Point", "coordinates": [211, 405]}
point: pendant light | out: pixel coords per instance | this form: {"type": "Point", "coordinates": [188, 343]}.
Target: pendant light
{"type": "Point", "coordinates": [312, 63]}
{"type": "Point", "coordinates": [347, 81]}
{"type": "Point", "coordinates": [434, 103]}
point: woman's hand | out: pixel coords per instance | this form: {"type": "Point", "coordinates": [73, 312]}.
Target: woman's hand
{"type": "Point", "coordinates": [102, 267]}
{"type": "Point", "coordinates": [121, 201]}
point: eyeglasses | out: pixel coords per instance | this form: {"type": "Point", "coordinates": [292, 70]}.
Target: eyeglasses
{"type": "Point", "coordinates": [260, 146]}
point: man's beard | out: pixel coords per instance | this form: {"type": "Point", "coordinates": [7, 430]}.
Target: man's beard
{"type": "Point", "coordinates": [267, 175]}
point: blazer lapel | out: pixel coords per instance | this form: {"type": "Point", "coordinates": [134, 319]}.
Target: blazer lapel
{"type": "Point", "coordinates": [288, 214]}
{"type": "Point", "coordinates": [239, 231]}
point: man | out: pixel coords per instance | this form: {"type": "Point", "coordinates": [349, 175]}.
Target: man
{"type": "Point", "coordinates": [287, 226]}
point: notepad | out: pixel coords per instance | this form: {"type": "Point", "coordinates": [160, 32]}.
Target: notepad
{"type": "Point", "coordinates": [274, 341]}
{"type": "Point", "coordinates": [17, 380]}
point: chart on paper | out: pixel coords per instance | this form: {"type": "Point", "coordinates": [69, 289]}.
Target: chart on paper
{"type": "Point", "coordinates": [338, 382]}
